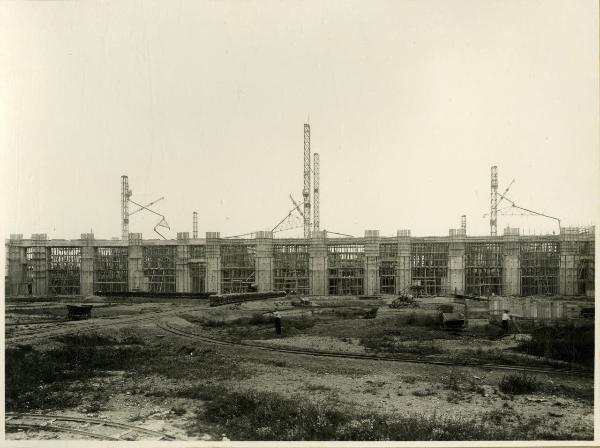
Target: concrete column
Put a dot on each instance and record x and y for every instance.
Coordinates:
(567, 270)
(264, 261)
(137, 281)
(511, 265)
(88, 253)
(17, 265)
(182, 267)
(403, 266)
(317, 263)
(213, 262)
(371, 279)
(456, 265)
(40, 264)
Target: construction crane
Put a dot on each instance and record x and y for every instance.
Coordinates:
(147, 205)
(162, 223)
(295, 224)
(126, 194)
(306, 190)
(495, 202)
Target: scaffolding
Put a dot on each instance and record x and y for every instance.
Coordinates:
(585, 251)
(483, 268)
(159, 267)
(429, 266)
(238, 269)
(290, 272)
(198, 268)
(539, 268)
(30, 261)
(346, 269)
(111, 269)
(64, 271)
(388, 253)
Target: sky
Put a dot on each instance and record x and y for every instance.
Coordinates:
(203, 103)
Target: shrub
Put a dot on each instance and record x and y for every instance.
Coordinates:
(567, 343)
(520, 383)
(299, 323)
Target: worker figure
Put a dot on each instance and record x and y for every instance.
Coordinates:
(505, 321)
(277, 322)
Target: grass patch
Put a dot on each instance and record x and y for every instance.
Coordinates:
(424, 392)
(318, 388)
(59, 378)
(252, 415)
(567, 343)
(519, 383)
(390, 344)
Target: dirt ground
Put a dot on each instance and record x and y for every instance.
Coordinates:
(160, 392)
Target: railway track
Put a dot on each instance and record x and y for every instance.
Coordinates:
(370, 357)
(66, 327)
(82, 426)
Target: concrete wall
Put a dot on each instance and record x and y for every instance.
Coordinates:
(182, 265)
(456, 265)
(213, 263)
(88, 253)
(511, 273)
(317, 263)
(137, 281)
(264, 261)
(371, 279)
(403, 263)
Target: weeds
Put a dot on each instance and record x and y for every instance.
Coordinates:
(520, 383)
(251, 415)
(389, 344)
(452, 381)
(318, 388)
(567, 343)
(424, 392)
(409, 379)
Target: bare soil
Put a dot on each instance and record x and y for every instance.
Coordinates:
(163, 387)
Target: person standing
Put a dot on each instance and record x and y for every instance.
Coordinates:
(505, 321)
(277, 322)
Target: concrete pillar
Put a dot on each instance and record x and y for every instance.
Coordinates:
(137, 281)
(567, 270)
(456, 265)
(40, 264)
(403, 265)
(371, 279)
(213, 262)
(182, 267)
(263, 261)
(88, 253)
(317, 263)
(17, 265)
(511, 264)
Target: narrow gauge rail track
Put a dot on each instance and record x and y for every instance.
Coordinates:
(102, 429)
(67, 327)
(34, 322)
(327, 354)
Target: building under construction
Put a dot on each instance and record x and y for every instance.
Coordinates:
(509, 265)
(320, 263)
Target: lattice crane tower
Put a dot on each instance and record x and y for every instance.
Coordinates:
(316, 191)
(125, 195)
(306, 190)
(494, 201)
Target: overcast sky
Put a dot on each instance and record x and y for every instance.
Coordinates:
(203, 102)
